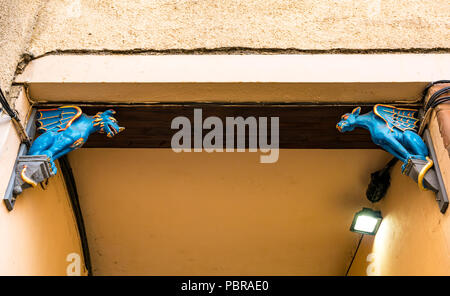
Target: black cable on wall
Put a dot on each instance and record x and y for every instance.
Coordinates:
(66, 171)
(354, 255)
(7, 107)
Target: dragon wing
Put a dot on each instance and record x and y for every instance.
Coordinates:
(58, 119)
(403, 119)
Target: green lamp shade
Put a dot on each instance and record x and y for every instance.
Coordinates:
(366, 221)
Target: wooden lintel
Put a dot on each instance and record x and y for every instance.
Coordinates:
(301, 126)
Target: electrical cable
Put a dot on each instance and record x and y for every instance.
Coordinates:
(424, 93)
(354, 255)
(433, 102)
(15, 119)
(73, 194)
(7, 107)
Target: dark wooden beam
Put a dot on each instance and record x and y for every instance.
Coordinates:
(301, 126)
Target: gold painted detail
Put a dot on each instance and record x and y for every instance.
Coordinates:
(77, 143)
(25, 178)
(423, 172)
(403, 112)
(69, 123)
(66, 118)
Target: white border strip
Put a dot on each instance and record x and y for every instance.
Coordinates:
(324, 68)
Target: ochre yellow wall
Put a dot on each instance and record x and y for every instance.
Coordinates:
(39, 233)
(414, 237)
(157, 212)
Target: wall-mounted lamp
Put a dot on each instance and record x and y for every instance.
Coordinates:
(366, 221)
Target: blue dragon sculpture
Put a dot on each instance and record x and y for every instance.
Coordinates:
(394, 129)
(67, 128)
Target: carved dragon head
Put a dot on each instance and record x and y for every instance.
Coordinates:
(105, 123)
(348, 121)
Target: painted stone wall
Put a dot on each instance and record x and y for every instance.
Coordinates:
(17, 20)
(37, 27)
(305, 24)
